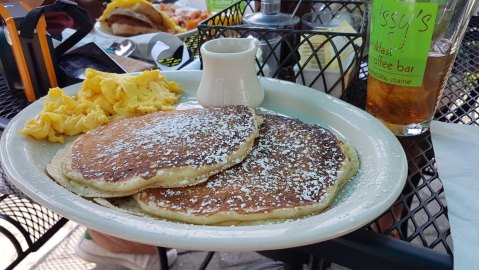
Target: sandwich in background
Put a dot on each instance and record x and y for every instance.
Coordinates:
(136, 17)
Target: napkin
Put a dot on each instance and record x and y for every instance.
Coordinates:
(151, 47)
(456, 148)
(159, 46)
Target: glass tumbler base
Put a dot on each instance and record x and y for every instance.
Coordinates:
(408, 130)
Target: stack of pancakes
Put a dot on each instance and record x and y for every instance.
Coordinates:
(220, 166)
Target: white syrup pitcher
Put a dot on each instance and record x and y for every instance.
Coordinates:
(229, 75)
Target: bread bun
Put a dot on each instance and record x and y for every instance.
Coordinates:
(150, 12)
(121, 29)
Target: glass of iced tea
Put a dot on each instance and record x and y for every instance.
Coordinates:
(412, 49)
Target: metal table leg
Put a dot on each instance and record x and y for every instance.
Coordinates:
(163, 258)
(162, 252)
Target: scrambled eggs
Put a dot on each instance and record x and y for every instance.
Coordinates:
(103, 97)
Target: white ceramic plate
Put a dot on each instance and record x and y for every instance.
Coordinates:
(380, 180)
(105, 32)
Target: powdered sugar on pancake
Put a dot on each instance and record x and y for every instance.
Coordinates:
(144, 145)
(291, 165)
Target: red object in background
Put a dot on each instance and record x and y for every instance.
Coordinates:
(57, 21)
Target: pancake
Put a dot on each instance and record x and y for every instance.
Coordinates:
(162, 149)
(295, 169)
(54, 170)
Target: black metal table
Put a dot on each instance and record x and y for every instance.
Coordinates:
(413, 234)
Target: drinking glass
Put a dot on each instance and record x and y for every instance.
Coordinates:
(413, 45)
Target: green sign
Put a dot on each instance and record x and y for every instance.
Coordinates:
(401, 34)
(218, 5)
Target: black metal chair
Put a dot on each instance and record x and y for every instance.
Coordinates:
(25, 223)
